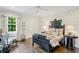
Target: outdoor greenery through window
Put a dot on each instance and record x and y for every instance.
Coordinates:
(11, 24)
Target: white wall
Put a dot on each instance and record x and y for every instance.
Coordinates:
(0, 22)
(32, 25)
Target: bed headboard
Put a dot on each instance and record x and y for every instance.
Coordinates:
(60, 29)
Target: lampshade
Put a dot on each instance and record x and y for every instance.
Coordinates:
(70, 30)
(45, 28)
(69, 27)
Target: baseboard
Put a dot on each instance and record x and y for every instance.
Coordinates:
(28, 37)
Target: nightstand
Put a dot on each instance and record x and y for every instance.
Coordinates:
(69, 41)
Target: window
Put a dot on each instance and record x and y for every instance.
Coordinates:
(11, 24)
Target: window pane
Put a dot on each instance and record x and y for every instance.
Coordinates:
(11, 24)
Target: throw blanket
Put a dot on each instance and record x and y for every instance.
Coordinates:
(54, 43)
(54, 40)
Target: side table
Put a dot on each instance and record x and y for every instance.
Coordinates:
(69, 41)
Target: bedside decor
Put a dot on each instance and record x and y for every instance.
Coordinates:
(56, 23)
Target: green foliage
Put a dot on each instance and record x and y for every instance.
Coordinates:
(56, 23)
(11, 24)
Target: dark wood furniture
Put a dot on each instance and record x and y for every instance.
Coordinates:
(69, 40)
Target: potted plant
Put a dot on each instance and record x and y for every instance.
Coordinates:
(56, 23)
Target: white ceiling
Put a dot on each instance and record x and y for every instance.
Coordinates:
(42, 10)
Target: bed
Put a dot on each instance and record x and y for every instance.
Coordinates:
(49, 40)
(44, 42)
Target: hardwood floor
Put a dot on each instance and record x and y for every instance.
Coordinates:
(26, 47)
